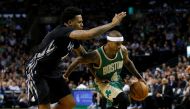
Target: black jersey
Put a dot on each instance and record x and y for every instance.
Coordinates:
(53, 47)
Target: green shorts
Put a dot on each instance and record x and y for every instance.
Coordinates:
(109, 90)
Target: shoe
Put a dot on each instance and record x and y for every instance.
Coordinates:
(139, 107)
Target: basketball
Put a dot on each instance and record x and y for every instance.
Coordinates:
(138, 91)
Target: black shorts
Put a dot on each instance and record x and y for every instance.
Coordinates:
(43, 89)
(51, 90)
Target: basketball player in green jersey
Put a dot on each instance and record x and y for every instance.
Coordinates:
(108, 62)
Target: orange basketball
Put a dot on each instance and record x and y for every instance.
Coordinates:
(138, 91)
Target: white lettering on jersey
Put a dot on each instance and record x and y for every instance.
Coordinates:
(112, 67)
(47, 50)
(70, 46)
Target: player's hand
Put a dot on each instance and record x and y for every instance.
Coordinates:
(65, 78)
(118, 18)
(187, 69)
(132, 80)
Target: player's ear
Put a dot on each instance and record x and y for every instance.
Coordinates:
(69, 22)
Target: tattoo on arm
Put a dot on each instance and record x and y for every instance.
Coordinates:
(129, 64)
(131, 67)
(88, 58)
(81, 52)
(92, 33)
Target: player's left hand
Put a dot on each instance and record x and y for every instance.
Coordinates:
(118, 18)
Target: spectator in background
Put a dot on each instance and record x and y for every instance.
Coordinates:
(185, 102)
(164, 95)
(172, 82)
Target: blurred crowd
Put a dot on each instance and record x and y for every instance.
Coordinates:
(13, 53)
(158, 34)
(168, 86)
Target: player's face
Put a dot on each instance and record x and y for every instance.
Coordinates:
(77, 22)
(115, 46)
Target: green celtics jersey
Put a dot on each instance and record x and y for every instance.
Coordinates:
(109, 69)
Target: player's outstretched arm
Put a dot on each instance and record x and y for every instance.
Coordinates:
(130, 65)
(88, 58)
(94, 32)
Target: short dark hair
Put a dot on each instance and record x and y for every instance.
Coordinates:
(114, 33)
(69, 13)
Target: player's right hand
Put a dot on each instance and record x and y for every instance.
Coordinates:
(118, 18)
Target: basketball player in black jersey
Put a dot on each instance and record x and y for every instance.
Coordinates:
(44, 79)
